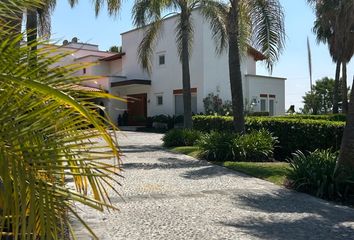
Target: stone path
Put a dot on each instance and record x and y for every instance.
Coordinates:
(173, 196)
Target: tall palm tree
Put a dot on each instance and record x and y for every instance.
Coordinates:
(332, 27)
(345, 163)
(243, 22)
(345, 42)
(46, 141)
(148, 13)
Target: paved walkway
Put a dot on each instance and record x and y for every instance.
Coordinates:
(171, 196)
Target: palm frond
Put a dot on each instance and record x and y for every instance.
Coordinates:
(146, 47)
(216, 14)
(184, 30)
(268, 31)
(245, 27)
(113, 6)
(50, 136)
(147, 15)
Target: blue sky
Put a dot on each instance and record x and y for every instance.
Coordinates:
(104, 30)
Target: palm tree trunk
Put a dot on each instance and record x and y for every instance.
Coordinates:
(186, 79)
(336, 89)
(31, 31)
(346, 154)
(235, 70)
(344, 88)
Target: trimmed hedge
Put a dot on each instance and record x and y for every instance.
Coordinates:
(292, 134)
(327, 117)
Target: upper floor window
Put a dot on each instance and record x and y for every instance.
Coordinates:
(162, 59)
(159, 100)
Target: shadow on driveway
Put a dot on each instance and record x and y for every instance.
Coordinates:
(311, 218)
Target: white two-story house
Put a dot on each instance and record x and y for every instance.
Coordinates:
(160, 92)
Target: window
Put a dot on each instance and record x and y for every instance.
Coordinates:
(263, 105)
(159, 100)
(179, 110)
(162, 60)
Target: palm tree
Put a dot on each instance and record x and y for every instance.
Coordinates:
(46, 141)
(324, 33)
(237, 24)
(345, 42)
(332, 27)
(345, 163)
(148, 14)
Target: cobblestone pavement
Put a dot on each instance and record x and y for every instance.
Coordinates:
(173, 196)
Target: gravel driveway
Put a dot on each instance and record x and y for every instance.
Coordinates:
(171, 196)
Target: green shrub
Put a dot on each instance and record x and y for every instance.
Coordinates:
(314, 174)
(170, 121)
(256, 146)
(292, 134)
(217, 146)
(222, 146)
(180, 137)
(328, 117)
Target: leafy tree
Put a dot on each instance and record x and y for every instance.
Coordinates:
(115, 49)
(47, 131)
(320, 101)
(241, 22)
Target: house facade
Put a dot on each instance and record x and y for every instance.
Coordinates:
(160, 92)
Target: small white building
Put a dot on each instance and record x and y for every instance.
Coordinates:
(161, 91)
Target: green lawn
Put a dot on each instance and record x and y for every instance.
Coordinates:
(274, 172)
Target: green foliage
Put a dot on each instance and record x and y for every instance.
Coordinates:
(115, 49)
(42, 142)
(292, 134)
(217, 146)
(314, 174)
(255, 146)
(320, 101)
(170, 121)
(327, 117)
(181, 137)
(274, 172)
(221, 146)
(214, 105)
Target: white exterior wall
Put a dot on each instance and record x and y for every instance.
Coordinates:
(130, 65)
(209, 71)
(216, 69)
(115, 68)
(271, 86)
(165, 78)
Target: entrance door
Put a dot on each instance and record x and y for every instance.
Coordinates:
(137, 109)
